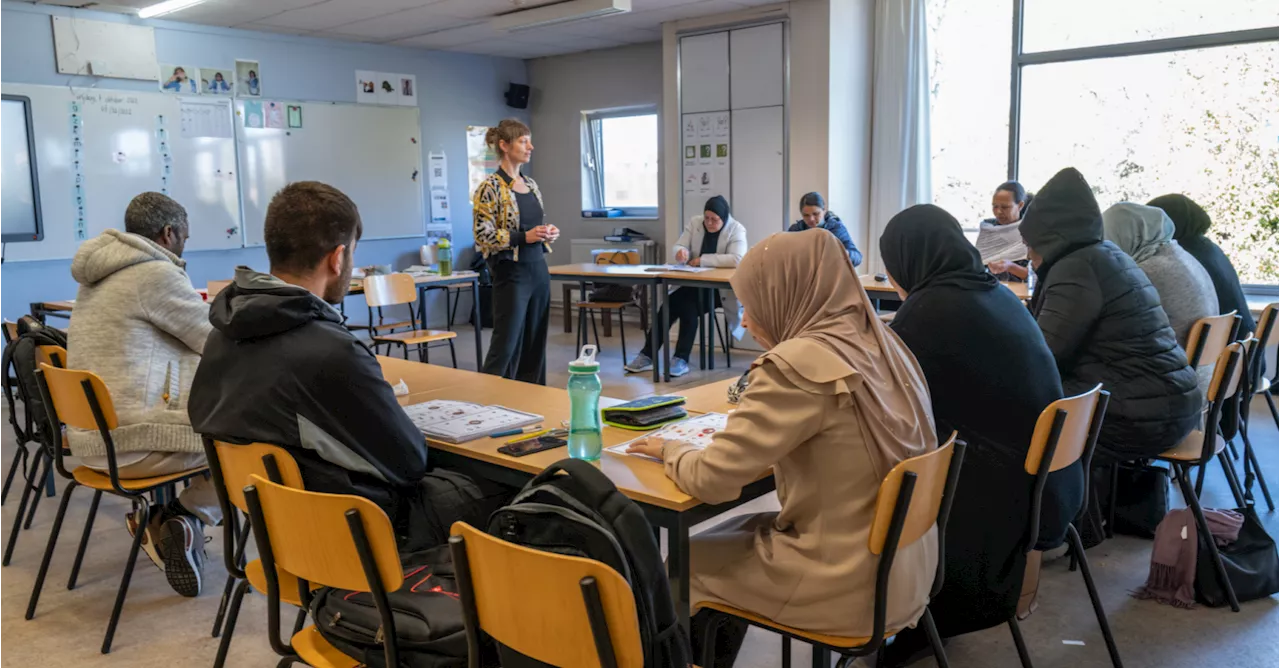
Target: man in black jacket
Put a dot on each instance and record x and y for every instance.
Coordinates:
(280, 368)
(1102, 319)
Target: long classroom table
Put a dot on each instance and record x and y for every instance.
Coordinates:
(642, 480)
(622, 274)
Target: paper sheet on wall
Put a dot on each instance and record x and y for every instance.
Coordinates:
(439, 205)
(705, 159)
(437, 170)
(481, 160)
(205, 118)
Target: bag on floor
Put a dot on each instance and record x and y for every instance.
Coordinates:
(20, 361)
(1250, 561)
(583, 514)
(1142, 498)
(427, 613)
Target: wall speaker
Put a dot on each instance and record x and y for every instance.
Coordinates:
(518, 96)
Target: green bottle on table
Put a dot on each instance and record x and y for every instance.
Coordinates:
(444, 257)
(585, 438)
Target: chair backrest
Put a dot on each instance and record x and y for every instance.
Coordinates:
(51, 355)
(317, 536)
(73, 394)
(10, 331)
(1066, 432)
(1227, 373)
(546, 617)
(212, 288)
(233, 464)
(389, 289)
(1267, 332)
(625, 256)
(1209, 336)
(930, 473)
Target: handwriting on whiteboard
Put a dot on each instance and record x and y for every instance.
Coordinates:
(109, 103)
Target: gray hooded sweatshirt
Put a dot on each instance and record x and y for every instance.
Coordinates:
(140, 325)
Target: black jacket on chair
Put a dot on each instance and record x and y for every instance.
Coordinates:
(1103, 321)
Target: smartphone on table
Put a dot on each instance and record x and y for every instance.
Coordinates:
(553, 438)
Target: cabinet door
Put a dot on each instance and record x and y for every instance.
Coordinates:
(758, 179)
(756, 67)
(704, 73)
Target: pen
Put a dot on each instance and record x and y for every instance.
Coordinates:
(512, 432)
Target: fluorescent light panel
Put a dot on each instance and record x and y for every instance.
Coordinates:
(166, 7)
(560, 12)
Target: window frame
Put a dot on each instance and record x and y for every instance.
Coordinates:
(35, 177)
(593, 185)
(1020, 59)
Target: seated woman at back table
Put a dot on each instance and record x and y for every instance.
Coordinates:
(990, 377)
(1102, 319)
(998, 236)
(814, 213)
(835, 403)
(713, 239)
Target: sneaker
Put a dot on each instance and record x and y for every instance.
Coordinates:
(640, 364)
(182, 546)
(151, 537)
(679, 367)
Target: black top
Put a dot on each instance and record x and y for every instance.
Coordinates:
(989, 378)
(531, 215)
(1103, 321)
(1190, 225)
(709, 241)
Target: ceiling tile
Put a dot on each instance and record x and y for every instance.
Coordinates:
(476, 9)
(335, 13)
(224, 12)
(475, 33)
(407, 23)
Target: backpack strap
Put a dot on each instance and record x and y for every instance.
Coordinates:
(5, 365)
(595, 484)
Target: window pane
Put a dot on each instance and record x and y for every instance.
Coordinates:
(969, 42)
(1058, 24)
(630, 161)
(1199, 122)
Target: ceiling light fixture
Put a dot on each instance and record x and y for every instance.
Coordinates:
(166, 7)
(560, 12)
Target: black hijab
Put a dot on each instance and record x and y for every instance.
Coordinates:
(924, 247)
(1189, 219)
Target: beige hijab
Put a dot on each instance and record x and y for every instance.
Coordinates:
(804, 302)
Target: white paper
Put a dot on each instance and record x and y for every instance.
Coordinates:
(366, 87)
(201, 118)
(406, 90)
(438, 170)
(274, 112)
(697, 431)
(439, 205)
(659, 268)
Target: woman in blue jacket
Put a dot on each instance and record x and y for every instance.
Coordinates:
(813, 213)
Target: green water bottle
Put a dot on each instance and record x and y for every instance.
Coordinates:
(585, 440)
(444, 257)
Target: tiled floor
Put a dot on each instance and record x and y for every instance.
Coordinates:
(160, 629)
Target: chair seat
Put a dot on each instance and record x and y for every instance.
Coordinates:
(389, 325)
(822, 639)
(102, 481)
(1191, 447)
(257, 577)
(604, 305)
(415, 337)
(317, 652)
(1264, 385)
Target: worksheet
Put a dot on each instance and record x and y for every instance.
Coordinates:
(461, 421)
(696, 430)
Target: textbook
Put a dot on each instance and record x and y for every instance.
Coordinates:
(660, 268)
(463, 421)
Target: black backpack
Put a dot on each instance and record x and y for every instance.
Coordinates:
(20, 359)
(426, 609)
(583, 514)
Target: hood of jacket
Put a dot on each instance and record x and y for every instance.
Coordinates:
(112, 251)
(257, 305)
(1063, 217)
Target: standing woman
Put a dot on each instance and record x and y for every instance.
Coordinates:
(510, 234)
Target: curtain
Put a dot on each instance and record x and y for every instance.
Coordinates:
(900, 162)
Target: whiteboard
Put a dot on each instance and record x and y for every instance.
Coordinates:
(124, 137)
(704, 73)
(758, 180)
(371, 153)
(755, 67)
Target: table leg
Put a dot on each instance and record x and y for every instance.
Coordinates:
(702, 330)
(475, 321)
(653, 326)
(711, 329)
(678, 569)
(821, 658)
(37, 311)
(664, 329)
(566, 292)
(422, 306)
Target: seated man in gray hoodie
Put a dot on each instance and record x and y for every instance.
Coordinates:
(140, 326)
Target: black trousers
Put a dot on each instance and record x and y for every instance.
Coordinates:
(686, 307)
(521, 312)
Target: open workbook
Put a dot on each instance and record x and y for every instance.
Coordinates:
(462, 421)
(689, 269)
(696, 430)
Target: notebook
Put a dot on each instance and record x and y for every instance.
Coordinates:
(462, 421)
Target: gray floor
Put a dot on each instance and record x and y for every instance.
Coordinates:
(161, 629)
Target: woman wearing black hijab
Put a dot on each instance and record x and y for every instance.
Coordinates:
(1190, 223)
(990, 375)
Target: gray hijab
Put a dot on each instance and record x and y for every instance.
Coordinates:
(1141, 231)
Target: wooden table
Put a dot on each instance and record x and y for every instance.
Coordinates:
(642, 480)
(878, 290)
(710, 398)
(622, 274)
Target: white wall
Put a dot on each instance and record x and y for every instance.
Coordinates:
(563, 88)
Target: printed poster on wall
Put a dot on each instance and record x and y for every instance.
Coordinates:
(481, 160)
(705, 159)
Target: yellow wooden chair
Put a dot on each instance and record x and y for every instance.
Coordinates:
(395, 290)
(588, 306)
(235, 463)
(212, 288)
(41, 469)
(1066, 432)
(1254, 369)
(1268, 336)
(901, 519)
(334, 540)
(80, 399)
(547, 617)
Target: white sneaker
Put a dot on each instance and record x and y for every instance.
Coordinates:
(679, 367)
(639, 364)
(151, 537)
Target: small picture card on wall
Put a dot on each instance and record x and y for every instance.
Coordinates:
(217, 80)
(386, 88)
(295, 116)
(253, 116)
(274, 114)
(248, 83)
(408, 92)
(178, 79)
(366, 87)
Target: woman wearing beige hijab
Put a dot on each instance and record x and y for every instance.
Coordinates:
(833, 405)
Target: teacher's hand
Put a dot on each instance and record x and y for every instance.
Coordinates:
(648, 446)
(553, 232)
(536, 235)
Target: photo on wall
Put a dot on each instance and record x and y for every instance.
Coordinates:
(217, 80)
(175, 79)
(249, 84)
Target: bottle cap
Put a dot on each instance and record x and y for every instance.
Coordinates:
(443, 243)
(586, 362)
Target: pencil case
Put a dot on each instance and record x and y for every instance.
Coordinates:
(645, 414)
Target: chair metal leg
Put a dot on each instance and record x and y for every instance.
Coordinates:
(622, 334)
(1251, 461)
(238, 557)
(786, 652)
(594, 329)
(709, 640)
(1018, 643)
(48, 549)
(1229, 470)
(1231, 447)
(1111, 500)
(38, 492)
(233, 613)
(1193, 502)
(453, 354)
(1093, 596)
(1271, 403)
(27, 491)
(144, 512)
(84, 539)
(1200, 480)
(939, 654)
(18, 460)
(299, 621)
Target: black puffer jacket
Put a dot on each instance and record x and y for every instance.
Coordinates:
(1102, 319)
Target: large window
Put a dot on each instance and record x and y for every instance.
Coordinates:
(1153, 97)
(620, 162)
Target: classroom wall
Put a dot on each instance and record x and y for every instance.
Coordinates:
(563, 88)
(455, 90)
